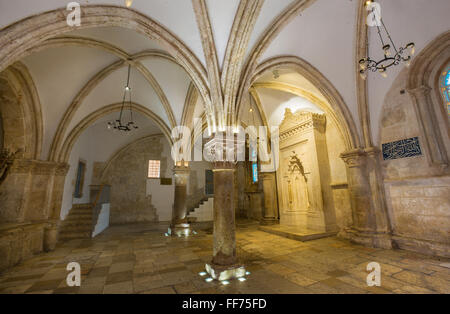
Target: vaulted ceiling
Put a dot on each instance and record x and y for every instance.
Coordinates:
(85, 68)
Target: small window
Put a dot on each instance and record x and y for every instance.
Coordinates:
(154, 169)
(80, 179)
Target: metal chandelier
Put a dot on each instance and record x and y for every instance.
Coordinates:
(119, 124)
(392, 55)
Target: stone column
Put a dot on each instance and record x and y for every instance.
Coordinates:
(224, 262)
(180, 225)
(54, 212)
(368, 228)
(426, 116)
(270, 198)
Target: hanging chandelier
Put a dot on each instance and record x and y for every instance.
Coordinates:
(119, 124)
(392, 55)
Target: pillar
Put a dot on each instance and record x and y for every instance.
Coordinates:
(54, 212)
(270, 198)
(224, 264)
(429, 126)
(370, 221)
(179, 225)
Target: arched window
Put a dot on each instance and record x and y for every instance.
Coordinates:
(444, 85)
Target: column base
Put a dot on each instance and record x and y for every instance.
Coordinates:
(269, 222)
(180, 230)
(368, 238)
(219, 272)
(51, 236)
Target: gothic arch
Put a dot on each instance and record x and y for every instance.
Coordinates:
(63, 153)
(267, 38)
(423, 77)
(21, 112)
(134, 60)
(18, 38)
(337, 107)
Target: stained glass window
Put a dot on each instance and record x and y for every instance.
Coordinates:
(445, 88)
(154, 167)
(255, 172)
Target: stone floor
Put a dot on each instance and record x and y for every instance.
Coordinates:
(140, 259)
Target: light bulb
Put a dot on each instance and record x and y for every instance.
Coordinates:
(383, 73)
(412, 48)
(386, 48)
(363, 74)
(128, 3)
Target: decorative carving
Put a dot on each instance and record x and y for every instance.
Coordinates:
(6, 160)
(299, 122)
(224, 152)
(354, 158)
(295, 185)
(181, 174)
(402, 149)
(296, 165)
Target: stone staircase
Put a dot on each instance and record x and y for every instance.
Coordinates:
(78, 224)
(203, 211)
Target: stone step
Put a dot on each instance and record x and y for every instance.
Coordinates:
(192, 209)
(74, 235)
(81, 206)
(78, 224)
(77, 227)
(81, 210)
(79, 216)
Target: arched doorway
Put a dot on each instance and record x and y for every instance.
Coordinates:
(307, 189)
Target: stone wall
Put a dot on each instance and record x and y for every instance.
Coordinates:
(30, 201)
(417, 192)
(127, 174)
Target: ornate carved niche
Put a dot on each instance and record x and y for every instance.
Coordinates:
(301, 176)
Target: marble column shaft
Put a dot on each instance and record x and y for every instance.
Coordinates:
(224, 250)
(270, 197)
(179, 211)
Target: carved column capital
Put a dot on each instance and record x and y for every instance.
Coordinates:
(354, 158)
(372, 151)
(39, 167)
(181, 173)
(225, 151)
(420, 91)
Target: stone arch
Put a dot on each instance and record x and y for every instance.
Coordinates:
(134, 60)
(121, 151)
(21, 113)
(337, 108)
(295, 8)
(423, 78)
(63, 153)
(18, 38)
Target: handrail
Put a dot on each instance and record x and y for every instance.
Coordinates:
(98, 196)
